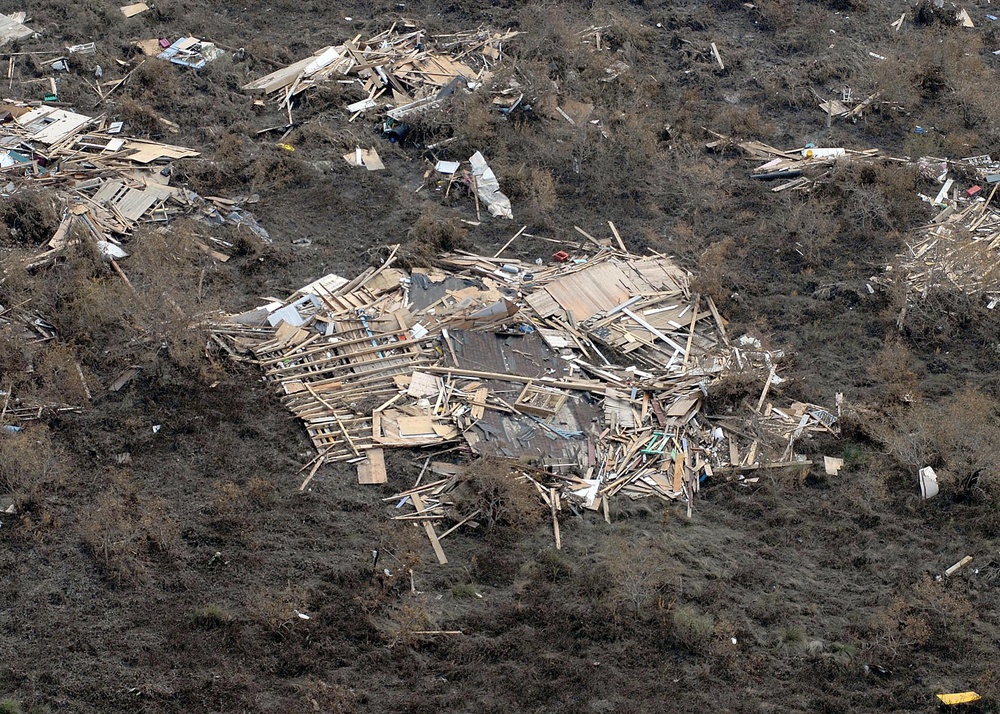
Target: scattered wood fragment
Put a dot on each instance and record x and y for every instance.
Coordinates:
(958, 566)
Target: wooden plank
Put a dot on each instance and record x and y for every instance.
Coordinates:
(478, 403)
(553, 499)
(678, 472)
(134, 9)
(372, 469)
(418, 503)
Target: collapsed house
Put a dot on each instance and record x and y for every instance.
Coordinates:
(108, 182)
(593, 371)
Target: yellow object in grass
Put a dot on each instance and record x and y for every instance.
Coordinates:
(959, 698)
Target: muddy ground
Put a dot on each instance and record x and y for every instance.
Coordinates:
(164, 571)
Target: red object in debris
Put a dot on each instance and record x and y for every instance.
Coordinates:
(561, 257)
(973, 191)
(165, 43)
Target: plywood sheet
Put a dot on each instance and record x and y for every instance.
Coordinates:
(11, 29)
(424, 385)
(50, 125)
(143, 152)
(136, 202)
(415, 427)
(372, 469)
(134, 9)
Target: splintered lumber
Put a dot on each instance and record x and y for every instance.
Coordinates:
(553, 500)
(959, 251)
(958, 566)
(410, 69)
(418, 503)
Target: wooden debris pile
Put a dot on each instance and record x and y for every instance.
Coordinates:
(847, 106)
(109, 183)
(958, 251)
(594, 369)
(800, 168)
(404, 68)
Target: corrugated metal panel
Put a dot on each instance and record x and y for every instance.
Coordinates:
(136, 202)
(591, 291)
(514, 435)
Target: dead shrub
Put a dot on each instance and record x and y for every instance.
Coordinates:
(125, 531)
(733, 391)
(955, 436)
(15, 356)
(893, 369)
(231, 505)
(31, 463)
(927, 614)
(27, 218)
(277, 171)
(141, 119)
(692, 629)
(507, 506)
(637, 572)
(403, 625)
(430, 236)
(59, 375)
(534, 189)
(552, 566)
(276, 608)
(211, 617)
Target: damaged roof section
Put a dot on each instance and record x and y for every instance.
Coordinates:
(598, 365)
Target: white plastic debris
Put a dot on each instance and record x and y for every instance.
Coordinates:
(488, 188)
(447, 167)
(110, 251)
(928, 483)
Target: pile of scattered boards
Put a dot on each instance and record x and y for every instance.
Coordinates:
(799, 168)
(594, 370)
(958, 251)
(108, 182)
(395, 67)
